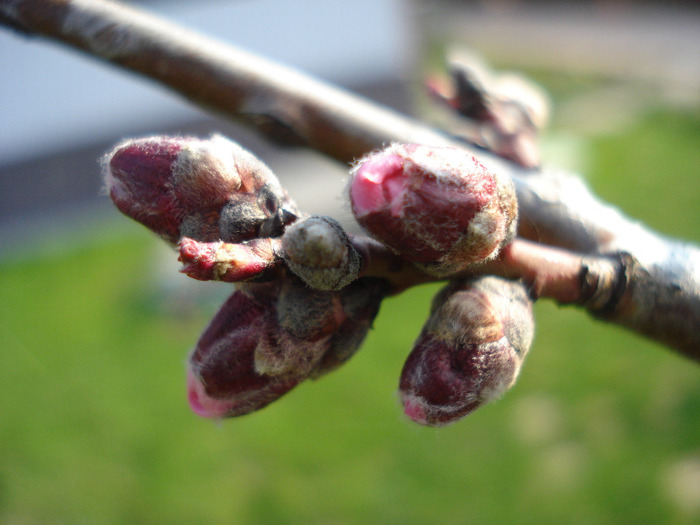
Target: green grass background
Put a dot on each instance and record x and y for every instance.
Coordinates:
(603, 427)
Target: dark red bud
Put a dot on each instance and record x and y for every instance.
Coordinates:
(139, 175)
(269, 337)
(222, 376)
(437, 207)
(469, 352)
(206, 189)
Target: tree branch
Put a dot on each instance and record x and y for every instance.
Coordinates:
(659, 291)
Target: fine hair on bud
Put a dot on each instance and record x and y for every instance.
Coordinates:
(222, 379)
(298, 336)
(360, 302)
(437, 207)
(269, 337)
(469, 352)
(318, 250)
(205, 189)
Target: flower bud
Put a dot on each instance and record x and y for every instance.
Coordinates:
(269, 337)
(437, 207)
(469, 352)
(318, 250)
(222, 376)
(206, 189)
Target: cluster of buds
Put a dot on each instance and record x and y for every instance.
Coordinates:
(269, 337)
(307, 293)
(213, 199)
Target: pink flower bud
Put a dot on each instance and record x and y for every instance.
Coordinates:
(206, 189)
(469, 352)
(437, 207)
(222, 376)
(267, 338)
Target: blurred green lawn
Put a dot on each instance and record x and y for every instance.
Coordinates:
(602, 428)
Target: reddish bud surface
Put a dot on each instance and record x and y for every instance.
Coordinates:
(206, 189)
(437, 207)
(269, 337)
(469, 352)
(139, 177)
(220, 261)
(222, 378)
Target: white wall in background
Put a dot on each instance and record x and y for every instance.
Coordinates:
(53, 98)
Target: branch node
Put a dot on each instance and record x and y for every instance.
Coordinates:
(604, 281)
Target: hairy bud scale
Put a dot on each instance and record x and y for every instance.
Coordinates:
(469, 352)
(437, 207)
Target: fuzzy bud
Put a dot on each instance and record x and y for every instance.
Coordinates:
(469, 352)
(360, 302)
(205, 189)
(318, 250)
(437, 207)
(222, 380)
(269, 337)
(304, 323)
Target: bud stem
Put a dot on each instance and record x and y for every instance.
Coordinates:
(550, 272)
